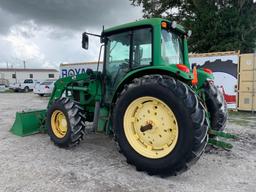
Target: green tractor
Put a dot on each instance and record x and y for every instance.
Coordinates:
(160, 110)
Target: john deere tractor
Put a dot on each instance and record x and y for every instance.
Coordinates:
(159, 109)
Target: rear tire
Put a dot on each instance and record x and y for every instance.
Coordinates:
(216, 105)
(41, 95)
(66, 122)
(187, 110)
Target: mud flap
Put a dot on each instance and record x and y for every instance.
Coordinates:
(28, 123)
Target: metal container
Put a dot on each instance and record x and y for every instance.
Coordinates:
(247, 82)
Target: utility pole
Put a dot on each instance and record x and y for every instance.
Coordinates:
(24, 62)
(7, 65)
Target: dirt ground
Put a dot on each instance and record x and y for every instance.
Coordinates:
(33, 163)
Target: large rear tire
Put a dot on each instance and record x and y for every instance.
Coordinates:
(216, 105)
(66, 122)
(160, 125)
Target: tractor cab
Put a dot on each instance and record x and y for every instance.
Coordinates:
(143, 46)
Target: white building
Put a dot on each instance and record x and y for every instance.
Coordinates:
(12, 75)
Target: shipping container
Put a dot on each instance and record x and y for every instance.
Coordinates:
(247, 82)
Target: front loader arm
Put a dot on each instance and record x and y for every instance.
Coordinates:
(88, 86)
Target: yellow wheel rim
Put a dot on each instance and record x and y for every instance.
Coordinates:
(150, 127)
(59, 124)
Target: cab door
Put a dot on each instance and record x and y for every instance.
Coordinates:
(126, 51)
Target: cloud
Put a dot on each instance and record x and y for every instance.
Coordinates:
(46, 33)
(75, 15)
(7, 19)
(20, 40)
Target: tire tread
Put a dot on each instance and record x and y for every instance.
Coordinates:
(198, 114)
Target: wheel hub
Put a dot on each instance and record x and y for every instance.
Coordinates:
(150, 127)
(146, 127)
(59, 124)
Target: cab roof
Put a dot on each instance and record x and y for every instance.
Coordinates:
(152, 22)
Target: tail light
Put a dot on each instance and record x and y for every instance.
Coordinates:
(46, 87)
(183, 68)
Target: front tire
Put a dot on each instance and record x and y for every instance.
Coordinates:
(66, 122)
(160, 125)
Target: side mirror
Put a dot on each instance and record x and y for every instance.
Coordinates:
(85, 41)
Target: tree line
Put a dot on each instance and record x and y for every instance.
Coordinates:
(217, 25)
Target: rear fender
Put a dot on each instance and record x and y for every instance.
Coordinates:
(170, 70)
(203, 77)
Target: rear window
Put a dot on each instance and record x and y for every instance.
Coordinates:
(28, 81)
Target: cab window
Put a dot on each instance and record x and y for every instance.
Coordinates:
(171, 47)
(142, 47)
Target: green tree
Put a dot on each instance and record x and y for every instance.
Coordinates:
(217, 25)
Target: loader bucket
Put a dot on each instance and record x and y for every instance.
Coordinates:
(28, 123)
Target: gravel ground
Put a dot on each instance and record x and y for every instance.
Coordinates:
(33, 163)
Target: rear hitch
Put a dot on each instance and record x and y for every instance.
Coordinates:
(215, 141)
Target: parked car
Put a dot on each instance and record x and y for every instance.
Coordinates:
(26, 86)
(44, 88)
(3, 87)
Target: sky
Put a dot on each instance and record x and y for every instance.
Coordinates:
(45, 33)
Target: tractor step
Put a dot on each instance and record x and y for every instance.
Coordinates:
(29, 122)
